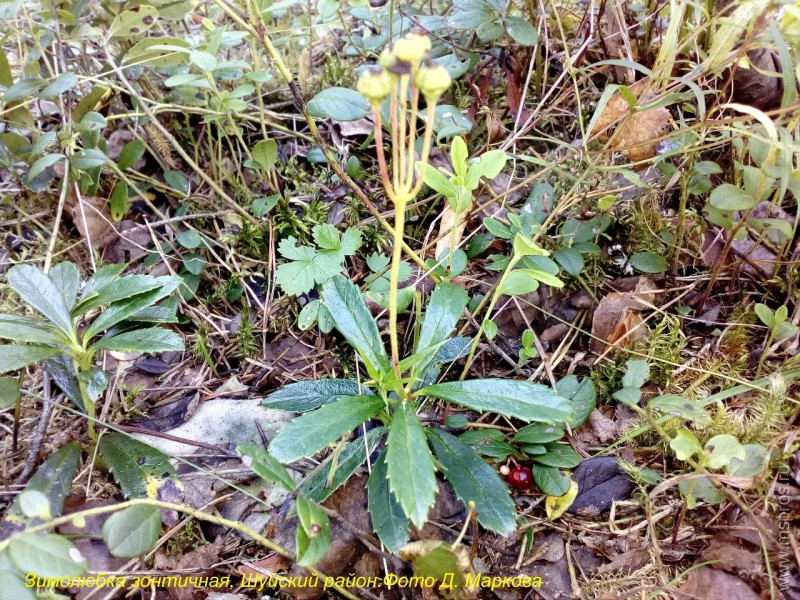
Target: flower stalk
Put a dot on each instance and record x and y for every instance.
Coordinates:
(404, 73)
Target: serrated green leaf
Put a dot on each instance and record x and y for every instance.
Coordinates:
(28, 329)
(39, 291)
(410, 468)
(445, 307)
(138, 468)
(120, 289)
(151, 339)
(266, 466)
(133, 531)
(311, 432)
(389, 520)
(48, 555)
(17, 357)
(354, 321)
(474, 481)
(121, 310)
(321, 484)
(313, 533)
(304, 396)
(520, 399)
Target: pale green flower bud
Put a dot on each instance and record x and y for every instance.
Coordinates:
(374, 84)
(412, 48)
(432, 80)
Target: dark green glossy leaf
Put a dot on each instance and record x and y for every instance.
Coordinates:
(410, 467)
(17, 357)
(581, 395)
(266, 466)
(67, 279)
(136, 466)
(354, 321)
(316, 486)
(308, 395)
(28, 329)
(388, 519)
(39, 291)
(488, 442)
(123, 308)
(538, 433)
(474, 481)
(445, 307)
(311, 432)
(520, 399)
(153, 339)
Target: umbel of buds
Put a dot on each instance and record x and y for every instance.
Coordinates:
(403, 74)
(377, 82)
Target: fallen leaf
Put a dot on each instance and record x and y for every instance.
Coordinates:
(556, 506)
(713, 584)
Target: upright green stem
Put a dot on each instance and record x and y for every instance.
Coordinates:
(397, 251)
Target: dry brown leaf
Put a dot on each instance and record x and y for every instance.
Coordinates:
(93, 220)
(713, 584)
(617, 318)
(636, 136)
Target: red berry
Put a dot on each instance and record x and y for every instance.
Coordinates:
(520, 478)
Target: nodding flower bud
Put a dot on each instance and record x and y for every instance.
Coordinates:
(374, 84)
(432, 80)
(412, 48)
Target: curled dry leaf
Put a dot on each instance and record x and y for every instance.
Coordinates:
(637, 135)
(757, 81)
(617, 318)
(93, 220)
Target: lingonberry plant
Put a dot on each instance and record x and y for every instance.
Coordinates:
(395, 389)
